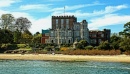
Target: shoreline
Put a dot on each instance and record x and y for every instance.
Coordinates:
(60, 57)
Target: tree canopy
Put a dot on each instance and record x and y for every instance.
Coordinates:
(126, 31)
(22, 24)
(7, 21)
(14, 29)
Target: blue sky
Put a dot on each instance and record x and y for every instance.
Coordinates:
(100, 14)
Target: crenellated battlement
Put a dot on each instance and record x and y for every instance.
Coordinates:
(66, 16)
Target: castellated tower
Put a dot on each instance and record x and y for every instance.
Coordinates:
(66, 29)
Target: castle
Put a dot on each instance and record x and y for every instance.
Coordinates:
(66, 29)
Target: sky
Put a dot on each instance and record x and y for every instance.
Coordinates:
(100, 14)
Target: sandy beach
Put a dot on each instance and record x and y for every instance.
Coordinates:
(60, 57)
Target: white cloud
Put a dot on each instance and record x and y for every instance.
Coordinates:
(3, 12)
(21, 14)
(74, 7)
(79, 13)
(6, 3)
(48, 7)
(107, 20)
(35, 6)
(110, 9)
(38, 25)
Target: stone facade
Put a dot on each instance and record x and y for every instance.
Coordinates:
(66, 29)
(96, 36)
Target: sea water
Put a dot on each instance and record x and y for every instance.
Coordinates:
(56, 67)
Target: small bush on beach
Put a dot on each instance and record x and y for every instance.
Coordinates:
(63, 48)
(48, 48)
(127, 52)
(23, 46)
(79, 46)
(89, 47)
(104, 45)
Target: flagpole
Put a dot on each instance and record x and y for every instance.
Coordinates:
(64, 10)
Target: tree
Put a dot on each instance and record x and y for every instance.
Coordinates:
(22, 24)
(27, 36)
(6, 36)
(126, 31)
(104, 45)
(17, 36)
(79, 46)
(125, 44)
(83, 42)
(37, 37)
(7, 21)
(115, 41)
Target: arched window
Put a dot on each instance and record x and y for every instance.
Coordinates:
(51, 41)
(69, 41)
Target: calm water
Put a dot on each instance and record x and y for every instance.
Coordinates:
(53, 67)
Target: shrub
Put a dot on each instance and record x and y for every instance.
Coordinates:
(48, 48)
(42, 46)
(8, 46)
(125, 44)
(83, 42)
(66, 45)
(71, 48)
(21, 45)
(57, 48)
(127, 52)
(12, 46)
(95, 47)
(104, 45)
(79, 46)
(4, 46)
(89, 47)
(63, 48)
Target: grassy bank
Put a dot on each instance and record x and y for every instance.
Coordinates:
(26, 49)
(70, 52)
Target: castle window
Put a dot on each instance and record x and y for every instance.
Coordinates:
(69, 41)
(99, 40)
(52, 33)
(67, 21)
(77, 27)
(67, 26)
(51, 41)
(77, 33)
(46, 34)
(69, 33)
(102, 35)
(93, 41)
(62, 21)
(56, 23)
